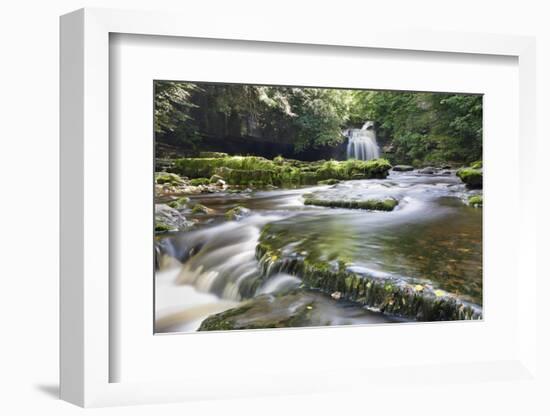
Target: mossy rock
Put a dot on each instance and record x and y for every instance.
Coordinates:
(259, 171)
(473, 178)
(370, 204)
(179, 203)
(168, 219)
(236, 213)
(477, 164)
(201, 209)
(403, 168)
(165, 178)
(259, 178)
(475, 201)
(296, 308)
(161, 227)
(199, 181)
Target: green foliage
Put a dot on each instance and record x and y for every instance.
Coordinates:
(173, 106)
(428, 128)
(424, 128)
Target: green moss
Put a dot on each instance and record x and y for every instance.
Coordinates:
(370, 204)
(236, 213)
(473, 178)
(199, 181)
(200, 209)
(179, 203)
(476, 165)
(253, 170)
(168, 178)
(475, 201)
(161, 227)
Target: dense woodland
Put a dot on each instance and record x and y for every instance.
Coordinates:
(306, 123)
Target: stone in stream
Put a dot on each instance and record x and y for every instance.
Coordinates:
(403, 168)
(429, 170)
(387, 204)
(475, 201)
(297, 308)
(201, 209)
(168, 219)
(236, 213)
(179, 203)
(473, 178)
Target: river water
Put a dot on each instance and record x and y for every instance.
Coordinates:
(432, 237)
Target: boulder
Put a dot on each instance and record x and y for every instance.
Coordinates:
(179, 203)
(429, 170)
(162, 178)
(475, 201)
(473, 178)
(201, 209)
(236, 213)
(168, 219)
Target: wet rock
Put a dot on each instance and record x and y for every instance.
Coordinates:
(473, 178)
(403, 168)
(336, 295)
(370, 204)
(216, 178)
(266, 311)
(163, 178)
(179, 203)
(199, 209)
(475, 201)
(429, 170)
(168, 219)
(237, 213)
(298, 308)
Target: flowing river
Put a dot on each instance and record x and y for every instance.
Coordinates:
(432, 239)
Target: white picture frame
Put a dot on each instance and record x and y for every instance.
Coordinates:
(86, 356)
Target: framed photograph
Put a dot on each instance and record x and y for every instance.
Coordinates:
(238, 211)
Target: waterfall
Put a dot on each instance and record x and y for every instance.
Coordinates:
(362, 142)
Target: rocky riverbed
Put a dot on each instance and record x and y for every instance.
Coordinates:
(372, 245)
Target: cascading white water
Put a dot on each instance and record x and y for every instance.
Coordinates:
(362, 142)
